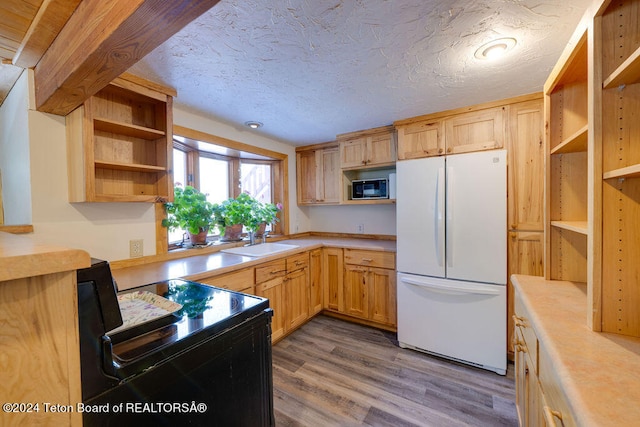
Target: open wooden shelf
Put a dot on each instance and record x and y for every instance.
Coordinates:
(627, 73)
(106, 125)
(119, 144)
(628, 172)
(574, 143)
(579, 227)
(129, 167)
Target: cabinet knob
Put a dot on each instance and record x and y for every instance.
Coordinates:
(519, 321)
(367, 259)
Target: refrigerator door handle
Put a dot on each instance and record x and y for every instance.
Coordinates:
(454, 289)
(439, 216)
(449, 213)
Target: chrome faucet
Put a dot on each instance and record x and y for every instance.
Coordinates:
(264, 236)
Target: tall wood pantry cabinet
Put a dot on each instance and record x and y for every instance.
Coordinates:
(120, 144)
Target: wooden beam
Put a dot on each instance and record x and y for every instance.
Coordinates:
(50, 19)
(101, 40)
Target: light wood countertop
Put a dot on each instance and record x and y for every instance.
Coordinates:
(21, 257)
(197, 267)
(599, 372)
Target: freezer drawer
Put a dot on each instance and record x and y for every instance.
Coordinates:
(464, 321)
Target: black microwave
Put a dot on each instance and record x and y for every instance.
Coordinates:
(377, 188)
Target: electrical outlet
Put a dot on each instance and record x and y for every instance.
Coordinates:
(360, 228)
(136, 248)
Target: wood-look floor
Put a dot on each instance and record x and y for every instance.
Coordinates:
(335, 373)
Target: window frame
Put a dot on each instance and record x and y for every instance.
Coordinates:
(190, 143)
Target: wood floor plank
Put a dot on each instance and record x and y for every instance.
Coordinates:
(335, 373)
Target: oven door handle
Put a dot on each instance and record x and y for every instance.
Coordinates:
(107, 356)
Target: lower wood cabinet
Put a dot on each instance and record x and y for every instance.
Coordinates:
(357, 284)
(315, 282)
(370, 286)
(528, 391)
(540, 399)
(333, 279)
(296, 291)
(285, 282)
(270, 284)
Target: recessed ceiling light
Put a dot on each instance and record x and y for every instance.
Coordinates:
(495, 48)
(253, 125)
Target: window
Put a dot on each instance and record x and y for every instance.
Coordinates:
(214, 179)
(255, 179)
(222, 168)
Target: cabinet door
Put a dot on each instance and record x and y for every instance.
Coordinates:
(315, 282)
(521, 372)
(381, 285)
(333, 276)
(528, 393)
(381, 149)
(525, 178)
(525, 255)
(353, 153)
(422, 139)
(356, 292)
(306, 176)
(475, 131)
(273, 291)
(328, 181)
(296, 295)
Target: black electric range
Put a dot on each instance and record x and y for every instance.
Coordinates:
(206, 363)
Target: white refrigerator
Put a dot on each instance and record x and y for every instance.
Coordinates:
(452, 257)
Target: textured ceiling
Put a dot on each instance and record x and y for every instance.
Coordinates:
(312, 69)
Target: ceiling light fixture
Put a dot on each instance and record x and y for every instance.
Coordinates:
(495, 48)
(253, 125)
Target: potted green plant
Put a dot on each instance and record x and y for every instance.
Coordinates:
(189, 211)
(234, 213)
(266, 213)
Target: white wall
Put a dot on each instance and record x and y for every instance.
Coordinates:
(14, 155)
(104, 229)
(376, 219)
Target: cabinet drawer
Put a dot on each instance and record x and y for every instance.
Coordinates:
(297, 262)
(370, 258)
(523, 324)
(237, 281)
(556, 406)
(271, 270)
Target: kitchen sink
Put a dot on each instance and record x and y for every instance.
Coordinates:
(260, 250)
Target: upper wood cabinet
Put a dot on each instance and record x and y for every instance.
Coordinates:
(371, 148)
(475, 131)
(421, 139)
(525, 175)
(119, 145)
(318, 174)
(475, 128)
